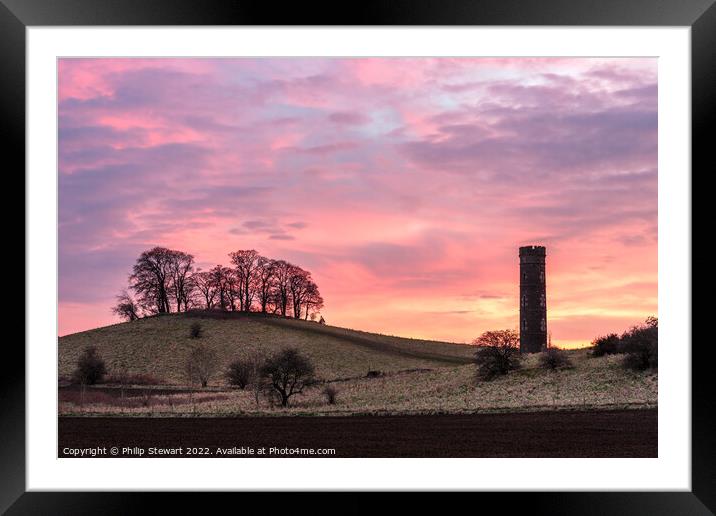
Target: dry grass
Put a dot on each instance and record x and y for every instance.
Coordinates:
(591, 383)
(160, 346)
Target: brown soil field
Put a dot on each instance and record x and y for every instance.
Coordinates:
(594, 433)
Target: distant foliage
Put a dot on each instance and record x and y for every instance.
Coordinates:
(240, 373)
(201, 365)
(196, 330)
(497, 354)
(606, 345)
(554, 359)
(331, 394)
(90, 367)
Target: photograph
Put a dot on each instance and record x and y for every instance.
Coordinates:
(335, 257)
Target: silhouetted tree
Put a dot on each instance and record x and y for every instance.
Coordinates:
(299, 285)
(207, 288)
(181, 267)
(223, 278)
(312, 301)
(497, 354)
(283, 281)
(150, 279)
(265, 280)
(126, 307)
(288, 373)
(246, 263)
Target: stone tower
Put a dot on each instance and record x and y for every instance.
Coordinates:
(533, 299)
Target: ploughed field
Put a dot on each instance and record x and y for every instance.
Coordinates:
(410, 376)
(584, 433)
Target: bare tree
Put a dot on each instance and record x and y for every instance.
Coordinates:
(150, 279)
(283, 280)
(299, 285)
(288, 373)
(126, 307)
(246, 263)
(201, 365)
(498, 353)
(205, 285)
(312, 301)
(223, 277)
(181, 267)
(266, 280)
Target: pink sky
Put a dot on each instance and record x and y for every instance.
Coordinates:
(404, 185)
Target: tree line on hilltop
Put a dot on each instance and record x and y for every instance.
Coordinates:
(165, 281)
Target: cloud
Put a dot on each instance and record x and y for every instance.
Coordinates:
(404, 184)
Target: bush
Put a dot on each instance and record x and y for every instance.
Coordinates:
(497, 353)
(373, 374)
(288, 373)
(240, 373)
(641, 345)
(331, 394)
(606, 345)
(195, 330)
(90, 367)
(554, 359)
(642, 356)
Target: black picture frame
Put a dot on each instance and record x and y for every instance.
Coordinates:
(17, 15)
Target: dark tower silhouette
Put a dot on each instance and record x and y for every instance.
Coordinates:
(533, 299)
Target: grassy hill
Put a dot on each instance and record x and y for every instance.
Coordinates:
(159, 346)
(418, 376)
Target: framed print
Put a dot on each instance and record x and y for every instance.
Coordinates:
(416, 248)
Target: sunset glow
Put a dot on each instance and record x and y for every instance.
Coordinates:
(405, 186)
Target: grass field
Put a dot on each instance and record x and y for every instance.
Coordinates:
(419, 377)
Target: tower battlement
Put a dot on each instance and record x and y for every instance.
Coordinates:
(533, 250)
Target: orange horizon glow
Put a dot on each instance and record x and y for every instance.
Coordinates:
(406, 186)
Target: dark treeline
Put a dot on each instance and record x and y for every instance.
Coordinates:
(164, 281)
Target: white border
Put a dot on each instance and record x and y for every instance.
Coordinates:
(670, 471)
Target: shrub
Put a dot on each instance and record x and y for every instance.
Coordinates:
(240, 373)
(288, 373)
(641, 345)
(90, 367)
(195, 330)
(554, 359)
(200, 365)
(331, 394)
(606, 345)
(642, 356)
(373, 374)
